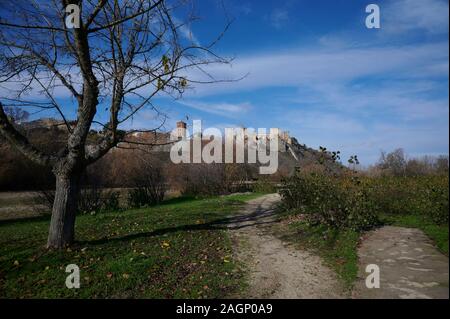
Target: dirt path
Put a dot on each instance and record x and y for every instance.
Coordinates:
(277, 270)
(410, 266)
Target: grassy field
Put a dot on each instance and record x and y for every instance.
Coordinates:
(175, 250)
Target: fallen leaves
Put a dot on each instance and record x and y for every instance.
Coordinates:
(165, 244)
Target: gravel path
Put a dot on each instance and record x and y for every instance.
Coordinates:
(277, 270)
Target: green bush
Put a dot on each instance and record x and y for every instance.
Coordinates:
(351, 201)
(337, 202)
(264, 186)
(419, 195)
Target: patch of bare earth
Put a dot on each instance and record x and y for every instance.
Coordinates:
(277, 269)
(16, 205)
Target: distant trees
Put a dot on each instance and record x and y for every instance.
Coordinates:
(442, 164)
(396, 163)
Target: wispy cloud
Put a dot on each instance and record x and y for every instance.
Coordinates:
(415, 15)
(315, 65)
(222, 109)
(279, 17)
(187, 33)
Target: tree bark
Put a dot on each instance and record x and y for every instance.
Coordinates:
(62, 225)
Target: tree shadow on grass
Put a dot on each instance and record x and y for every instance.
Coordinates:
(258, 217)
(47, 216)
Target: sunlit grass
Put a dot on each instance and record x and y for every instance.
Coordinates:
(176, 250)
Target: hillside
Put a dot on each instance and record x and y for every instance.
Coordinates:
(18, 173)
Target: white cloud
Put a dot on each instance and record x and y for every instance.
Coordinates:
(187, 33)
(222, 109)
(279, 17)
(307, 67)
(402, 16)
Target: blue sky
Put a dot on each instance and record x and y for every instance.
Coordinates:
(315, 70)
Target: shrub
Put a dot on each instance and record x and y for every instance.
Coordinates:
(144, 196)
(420, 195)
(436, 199)
(337, 202)
(264, 186)
(149, 185)
(91, 199)
(205, 180)
(110, 201)
(351, 201)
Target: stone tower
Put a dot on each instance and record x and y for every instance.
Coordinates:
(181, 130)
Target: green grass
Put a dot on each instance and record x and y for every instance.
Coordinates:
(437, 233)
(338, 248)
(176, 250)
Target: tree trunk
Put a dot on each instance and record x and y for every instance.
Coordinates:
(62, 225)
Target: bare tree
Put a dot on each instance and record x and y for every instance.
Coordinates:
(393, 162)
(122, 55)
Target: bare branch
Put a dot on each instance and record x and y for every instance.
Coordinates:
(35, 27)
(96, 11)
(21, 143)
(120, 21)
